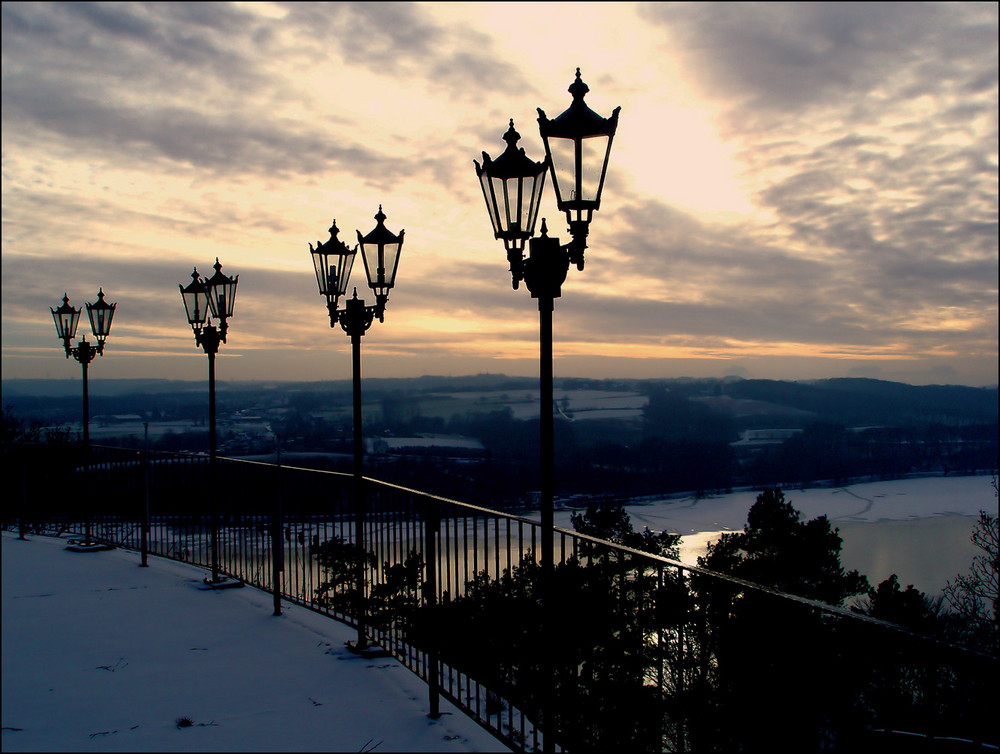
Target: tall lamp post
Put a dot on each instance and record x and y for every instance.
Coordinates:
(206, 300)
(333, 261)
(577, 147)
(67, 319)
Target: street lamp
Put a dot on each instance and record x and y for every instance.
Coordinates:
(577, 147)
(67, 319)
(206, 300)
(332, 262)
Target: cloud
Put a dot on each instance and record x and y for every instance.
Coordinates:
(402, 40)
(139, 139)
(180, 88)
(789, 57)
(870, 133)
(221, 143)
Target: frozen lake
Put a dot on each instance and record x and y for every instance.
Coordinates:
(916, 528)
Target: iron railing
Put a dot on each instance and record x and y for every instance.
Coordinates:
(629, 651)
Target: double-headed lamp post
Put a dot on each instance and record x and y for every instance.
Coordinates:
(67, 319)
(333, 261)
(577, 147)
(206, 300)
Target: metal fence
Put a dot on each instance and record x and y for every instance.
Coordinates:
(614, 649)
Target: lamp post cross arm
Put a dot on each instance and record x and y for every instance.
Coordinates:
(84, 352)
(545, 269)
(210, 338)
(356, 318)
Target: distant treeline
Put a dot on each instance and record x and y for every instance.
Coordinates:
(686, 439)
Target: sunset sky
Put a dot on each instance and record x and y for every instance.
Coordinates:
(795, 191)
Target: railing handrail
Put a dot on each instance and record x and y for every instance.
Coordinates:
(486, 555)
(824, 607)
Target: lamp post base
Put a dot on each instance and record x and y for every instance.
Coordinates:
(369, 651)
(222, 582)
(76, 545)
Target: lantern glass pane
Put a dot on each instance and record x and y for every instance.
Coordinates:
(503, 205)
(388, 256)
(488, 195)
(563, 153)
(66, 320)
(339, 278)
(216, 300)
(320, 265)
(515, 203)
(593, 153)
(530, 199)
(100, 320)
(195, 304)
(222, 298)
(230, 306)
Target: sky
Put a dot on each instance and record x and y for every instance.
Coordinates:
(795, 191)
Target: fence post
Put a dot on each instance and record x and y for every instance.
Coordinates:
(144, 526)
(277, 545)
(432, 524)
(21, 523)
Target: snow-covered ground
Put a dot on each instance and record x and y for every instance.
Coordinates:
(916, 528)
(102, 655)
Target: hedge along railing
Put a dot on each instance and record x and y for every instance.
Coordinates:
(631, 651)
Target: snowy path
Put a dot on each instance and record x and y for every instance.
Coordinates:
(102, 655)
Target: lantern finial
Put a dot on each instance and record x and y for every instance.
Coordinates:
(512, 136)
(578, 89)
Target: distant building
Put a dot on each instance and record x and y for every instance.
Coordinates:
(427, 444)
(758, 437)
(108, 419)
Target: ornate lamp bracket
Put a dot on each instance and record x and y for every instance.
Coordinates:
(355, 318)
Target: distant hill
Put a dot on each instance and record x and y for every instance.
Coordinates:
(107, 387)
(853, 402)
(844, 401)
(663, 436)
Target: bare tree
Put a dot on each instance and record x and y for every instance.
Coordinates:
(976, 595)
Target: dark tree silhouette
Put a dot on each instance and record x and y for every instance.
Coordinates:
(340, 560)
(14, 429)
(908, 607)
(610, 522)
(778, 550)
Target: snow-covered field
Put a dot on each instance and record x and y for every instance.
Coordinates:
(102, 655)
(916, 528)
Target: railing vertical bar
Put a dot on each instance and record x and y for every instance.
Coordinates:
(433, 674)
(465, 548)
(475, 543)
(666, 653)
(459, 587)
(496, 546)
(452, 590)
(277, 556)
